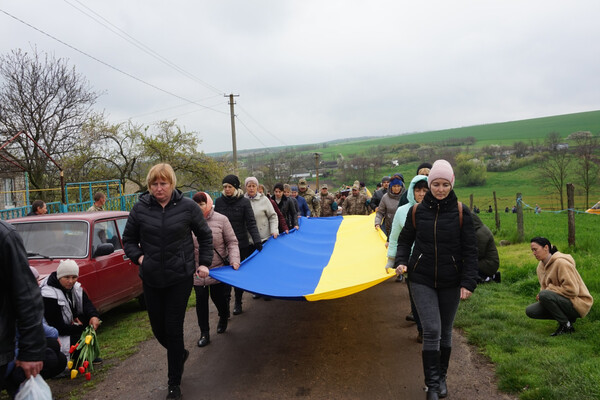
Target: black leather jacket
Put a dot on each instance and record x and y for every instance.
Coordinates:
(444, 253)
(21, 303)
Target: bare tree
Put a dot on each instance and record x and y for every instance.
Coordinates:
(49, 100)
(555, 167)
(587, 146)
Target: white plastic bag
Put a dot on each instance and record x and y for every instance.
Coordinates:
(34, 389)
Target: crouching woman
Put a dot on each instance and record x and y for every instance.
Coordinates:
(563, 296)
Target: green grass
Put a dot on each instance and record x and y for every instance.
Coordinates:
(528, 361)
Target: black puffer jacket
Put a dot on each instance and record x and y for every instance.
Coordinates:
(164, 238)
(444, 254)
(21, 303)
(238, 210)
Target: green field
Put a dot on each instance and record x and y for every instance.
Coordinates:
(503, 133)
(528, 361)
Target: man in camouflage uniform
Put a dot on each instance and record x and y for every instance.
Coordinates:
(356, 203)
(309, 196)
(328, 204)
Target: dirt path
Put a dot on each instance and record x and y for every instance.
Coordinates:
(357, 347)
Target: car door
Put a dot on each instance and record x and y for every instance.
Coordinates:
(113, 271)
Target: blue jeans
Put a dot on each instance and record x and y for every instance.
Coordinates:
(436, 309)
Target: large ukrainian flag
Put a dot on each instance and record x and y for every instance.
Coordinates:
(326, 258)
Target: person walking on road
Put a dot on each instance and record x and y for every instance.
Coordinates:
(286, 206)
(238, 210)
(308, 194)
(416, 192)
(356, 203)
(388, 205)
(158, 237)
(563, 295)
(328, 205)
(226, 252)
(442, 268)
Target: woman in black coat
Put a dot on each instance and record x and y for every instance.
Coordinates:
(285, 205)
(238, 210)
(158, 237)
(442, 267)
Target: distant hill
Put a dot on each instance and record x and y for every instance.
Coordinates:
(503, 133)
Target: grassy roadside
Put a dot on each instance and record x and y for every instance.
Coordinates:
(528, 361)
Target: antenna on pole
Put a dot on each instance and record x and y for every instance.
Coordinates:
(233, 139)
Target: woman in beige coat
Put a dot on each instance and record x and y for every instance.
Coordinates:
(563, 295)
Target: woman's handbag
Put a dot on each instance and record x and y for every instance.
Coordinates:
(225, 260)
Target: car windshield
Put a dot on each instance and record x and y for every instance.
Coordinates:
(54, 239)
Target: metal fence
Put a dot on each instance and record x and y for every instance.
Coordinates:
(119, 203)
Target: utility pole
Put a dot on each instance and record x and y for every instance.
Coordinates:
(317, 155)
(233, 140)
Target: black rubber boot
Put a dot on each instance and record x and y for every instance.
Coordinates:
(444, 362)
(431, 369)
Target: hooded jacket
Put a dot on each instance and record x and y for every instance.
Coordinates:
(400, 216)
(560, 276)
(21, 303)
(444, 253)
(164, 237)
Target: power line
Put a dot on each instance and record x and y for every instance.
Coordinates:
(125, 36)
(252, 133)
(262, 127)
(111, 66)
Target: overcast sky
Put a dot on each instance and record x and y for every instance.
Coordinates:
(309, 71)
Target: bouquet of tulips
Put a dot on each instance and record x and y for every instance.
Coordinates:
(86, 350)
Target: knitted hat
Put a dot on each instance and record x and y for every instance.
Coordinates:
(441, 170)
(425, 165)
(396, 181)
(232, 180)
(67, 268)
(294, 188)
(385, 179)
(251, 179)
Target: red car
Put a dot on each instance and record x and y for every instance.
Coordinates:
(94, 241)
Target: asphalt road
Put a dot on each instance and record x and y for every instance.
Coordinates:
(356, 347)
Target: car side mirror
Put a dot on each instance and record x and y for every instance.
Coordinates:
(104, 249)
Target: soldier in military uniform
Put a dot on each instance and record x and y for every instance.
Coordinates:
(309, 195)
(356, 204)
(328, 204)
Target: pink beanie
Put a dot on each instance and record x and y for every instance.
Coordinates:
(441, 170)
(251, 179)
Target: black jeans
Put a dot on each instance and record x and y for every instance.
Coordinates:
(217, 294)
(166, 310)
(436, 309)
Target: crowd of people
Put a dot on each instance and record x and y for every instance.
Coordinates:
(434, 242)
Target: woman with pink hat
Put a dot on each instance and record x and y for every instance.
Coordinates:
(442, 266)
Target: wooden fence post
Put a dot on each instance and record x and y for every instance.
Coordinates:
(571, 213)
(520, 233)
(471, 202)
(496, 211)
